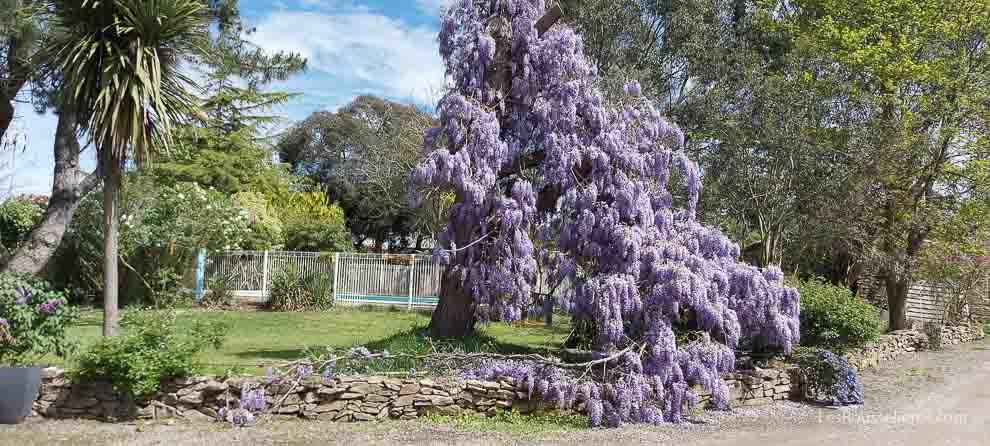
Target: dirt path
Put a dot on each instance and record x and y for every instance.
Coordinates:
(932, 399)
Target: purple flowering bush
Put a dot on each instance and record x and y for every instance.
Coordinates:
(33, 320)
(544, 168)
(830, 378)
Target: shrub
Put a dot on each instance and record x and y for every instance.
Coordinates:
(220, 294)
(161, 228)
(33, 320)
(311, 224)
(293, 291)
(17, 217)
(320, 289)
(831, 317)
(264, 222)
(934, 331)
(288, 292)
(149, 350)
(317, 237)
(830, 378)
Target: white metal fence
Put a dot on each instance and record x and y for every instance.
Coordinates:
(413, 280)
(388, 279)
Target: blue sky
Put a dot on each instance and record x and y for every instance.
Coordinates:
(382, 47)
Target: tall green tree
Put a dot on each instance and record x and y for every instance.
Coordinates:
(363, 154)
(915, 106)
(120, 66)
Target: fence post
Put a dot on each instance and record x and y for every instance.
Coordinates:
(200, 274)
(336, 268)
(412, 265)
(264, 276)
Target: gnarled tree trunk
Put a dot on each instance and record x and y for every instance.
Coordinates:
(454, 315)
(69, 185)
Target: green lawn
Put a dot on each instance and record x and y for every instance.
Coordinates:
(257, 339)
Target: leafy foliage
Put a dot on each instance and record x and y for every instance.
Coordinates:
(220, 294)
(267, 230)
(832, 318)
(311, 224)
(150, 349)
(362, 154)
(287, 293)
(830, 378)
(934, 331)
(17, 218)
(118, 62)
(33, 320)
(162, 227)
(957, 258)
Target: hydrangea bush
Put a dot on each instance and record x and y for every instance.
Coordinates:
(33, 320)
(544, 169)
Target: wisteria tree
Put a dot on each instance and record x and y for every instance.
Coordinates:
(545, 170)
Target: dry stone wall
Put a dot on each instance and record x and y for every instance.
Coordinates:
(898, 343)
(359, 398)
(365, 398)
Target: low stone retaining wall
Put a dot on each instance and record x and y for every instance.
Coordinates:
(345, 398)
(364, 398)
(898, 343)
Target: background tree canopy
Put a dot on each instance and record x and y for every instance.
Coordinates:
(363, 154)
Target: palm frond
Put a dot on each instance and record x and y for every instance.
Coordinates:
(119, 61)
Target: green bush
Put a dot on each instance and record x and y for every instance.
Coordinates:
(161, 229)
(149, 350)
(266, 226)
(832, 318)
(287, 292)
(17, 218)
(320, 288)
(317, 237)
(220, 294)
(33, 320)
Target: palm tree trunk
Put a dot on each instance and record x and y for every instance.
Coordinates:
(68, 188)
(111, 184)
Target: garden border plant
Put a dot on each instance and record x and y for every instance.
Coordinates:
(33, 322)
(149, 350)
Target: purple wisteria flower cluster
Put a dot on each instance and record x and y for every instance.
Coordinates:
(540, 162)
(51, 305)
(253, 399)
(5, 331)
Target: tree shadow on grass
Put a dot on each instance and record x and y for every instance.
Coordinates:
(414, 342)
(272, 355)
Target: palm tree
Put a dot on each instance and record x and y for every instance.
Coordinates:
(119, 64)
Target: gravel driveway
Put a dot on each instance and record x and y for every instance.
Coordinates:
(931, 399)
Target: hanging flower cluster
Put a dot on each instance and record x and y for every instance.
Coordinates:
(538, 158)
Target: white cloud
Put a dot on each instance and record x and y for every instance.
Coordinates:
(360, 51)
(433, 6)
